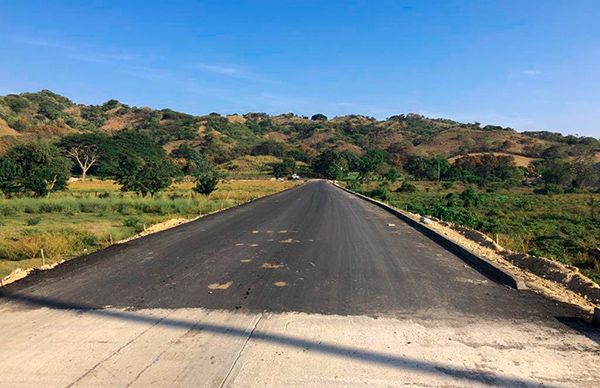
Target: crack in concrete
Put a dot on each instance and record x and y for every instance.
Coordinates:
(239, 355)
(92, 369)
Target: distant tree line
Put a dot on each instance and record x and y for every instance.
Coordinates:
(552, 174)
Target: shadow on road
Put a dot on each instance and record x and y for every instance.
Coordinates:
(582, 326)
(389, 360)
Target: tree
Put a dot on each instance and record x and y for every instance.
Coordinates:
(371, 162)
(145, 176)
(285, 168)
(138, 163)
(329, 165)
(187, 158)
(207, 178)
(43, 168)
(392, 175)
(558, 171)
(10, 174)
(469, 197)
(84, 149)
(269, 147)
(319, 117)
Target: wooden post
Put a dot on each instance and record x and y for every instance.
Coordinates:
(110, 237)
(43, 257)
(497, 239)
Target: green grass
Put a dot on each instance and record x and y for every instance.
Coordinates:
(91, 214)
(559, 227)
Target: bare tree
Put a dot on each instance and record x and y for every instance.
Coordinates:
(86, 156)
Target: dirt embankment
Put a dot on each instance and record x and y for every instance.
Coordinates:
(549, 277)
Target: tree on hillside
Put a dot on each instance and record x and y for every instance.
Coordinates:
(187, 158)
(435, 168)
(285, 168)
(270, 147)
(84, 149)
(329, 165)
(370, 163)
(319, 117)
(557, 172)
(43, 168)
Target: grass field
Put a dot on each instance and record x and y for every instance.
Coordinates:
(563, 227)
(91, 214)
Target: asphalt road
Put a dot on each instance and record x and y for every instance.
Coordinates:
(309, 287)
(314, 248)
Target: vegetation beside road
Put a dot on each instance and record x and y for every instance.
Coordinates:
(91, 213)
(564, 227)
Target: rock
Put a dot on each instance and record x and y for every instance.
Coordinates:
(425, 220)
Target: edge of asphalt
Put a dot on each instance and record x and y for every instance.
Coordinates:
(62, 267)
(479, 263)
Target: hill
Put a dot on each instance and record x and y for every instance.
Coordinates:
(237, 141)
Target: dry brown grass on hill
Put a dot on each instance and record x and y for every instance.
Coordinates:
(5, 130)
(520, 161)
(452, 141)
(277, 136)
(118, 122)
(235, 118)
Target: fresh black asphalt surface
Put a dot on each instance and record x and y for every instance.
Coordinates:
(314, 248)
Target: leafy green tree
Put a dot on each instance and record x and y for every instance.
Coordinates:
(43, 168)
(392, 175)
(145, 177)
(435, 168)
(469, 197)
(270, 147)
(10, 176)
(319, 117)
(558, 171)
(128, 144)
(187, 158)
(329, 165)
(285, 168)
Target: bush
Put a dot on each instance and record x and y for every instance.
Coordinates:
(549, 189)
(131, 222)
(380, 193)
(33, 221)
(406, 187)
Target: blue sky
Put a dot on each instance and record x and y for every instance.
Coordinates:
(532, 65)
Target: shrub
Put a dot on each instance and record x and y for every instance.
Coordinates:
(406, 187)
(131, 222)
(33, 221)
(380, 193)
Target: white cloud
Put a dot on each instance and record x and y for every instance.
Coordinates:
(232, 71)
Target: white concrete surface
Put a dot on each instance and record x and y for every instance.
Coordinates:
(198, 347)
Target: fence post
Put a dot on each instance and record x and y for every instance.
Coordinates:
(43, 257)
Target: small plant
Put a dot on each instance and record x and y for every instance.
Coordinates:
(131, 222)
(34, 221)
(406, 187)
